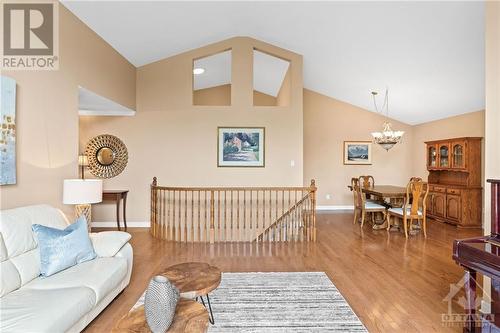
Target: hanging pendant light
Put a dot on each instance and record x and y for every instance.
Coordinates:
(387, 138)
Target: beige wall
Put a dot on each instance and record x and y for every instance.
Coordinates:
(470, 124)
(221, 95)
(327, 123)
(492, 117)
(214, 96)
(47, 106)
(283, 97)
(261, 99)
(177, 142)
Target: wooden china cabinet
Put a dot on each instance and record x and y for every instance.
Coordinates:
(455, 192)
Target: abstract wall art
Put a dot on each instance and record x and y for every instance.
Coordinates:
(8, 131)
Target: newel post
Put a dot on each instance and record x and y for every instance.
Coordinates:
(313, 190)
(152, 227)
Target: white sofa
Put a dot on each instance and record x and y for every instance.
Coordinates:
(66, 301)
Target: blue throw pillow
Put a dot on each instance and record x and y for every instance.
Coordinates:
(61, 249)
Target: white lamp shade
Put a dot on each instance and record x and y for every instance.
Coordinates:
(82, 191)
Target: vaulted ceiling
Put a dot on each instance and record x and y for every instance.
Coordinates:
(429, 54)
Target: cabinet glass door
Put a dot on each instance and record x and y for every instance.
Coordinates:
(444, 156)
(458, 155)
(432, 157)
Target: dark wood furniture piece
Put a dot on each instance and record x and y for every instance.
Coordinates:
(190, 316)
(455, 192)
(195, 280)
(482, 254)
(116, 196)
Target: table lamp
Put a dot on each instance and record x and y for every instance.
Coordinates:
(82, 193)
(83, 162)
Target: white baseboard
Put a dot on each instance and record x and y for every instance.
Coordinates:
(340, 207)
(113, 224)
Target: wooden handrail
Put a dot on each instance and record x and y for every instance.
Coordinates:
(283, 217)
(242, 188)
(228, 214)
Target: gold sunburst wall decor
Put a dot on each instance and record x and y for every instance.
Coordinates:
(107, 156)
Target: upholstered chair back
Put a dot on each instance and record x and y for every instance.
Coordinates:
(19, 255)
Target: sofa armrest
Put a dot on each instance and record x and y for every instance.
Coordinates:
(109, 243)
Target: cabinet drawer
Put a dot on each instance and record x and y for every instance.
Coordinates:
(454, 191)
(439, 189)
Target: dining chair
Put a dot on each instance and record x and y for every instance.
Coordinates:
(414, 206)
(362, 206)
(367, 181)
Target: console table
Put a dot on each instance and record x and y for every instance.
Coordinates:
(117, 196)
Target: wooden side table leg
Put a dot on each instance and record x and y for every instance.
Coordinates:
(125, 210)
(470, 306)
(118, 199)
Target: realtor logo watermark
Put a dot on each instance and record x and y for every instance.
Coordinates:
(461, 319)
(30, 34)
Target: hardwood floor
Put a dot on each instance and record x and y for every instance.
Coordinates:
(393, 284)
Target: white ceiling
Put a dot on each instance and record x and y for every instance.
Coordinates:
(92, 104)
(429, 54)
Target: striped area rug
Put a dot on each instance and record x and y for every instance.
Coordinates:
(280, 302)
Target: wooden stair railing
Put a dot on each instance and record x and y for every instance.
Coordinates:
(233, 214)
(295, 225)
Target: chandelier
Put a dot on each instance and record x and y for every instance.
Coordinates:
(387, 138)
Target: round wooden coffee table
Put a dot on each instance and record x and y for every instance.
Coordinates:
(195, 280)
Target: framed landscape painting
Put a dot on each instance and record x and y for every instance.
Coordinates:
(240, 146)
(8, 128)
(357, 152)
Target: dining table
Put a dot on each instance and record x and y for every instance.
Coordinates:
(390, 195)
(394, 195)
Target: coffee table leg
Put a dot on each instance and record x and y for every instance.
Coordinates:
(211, 316)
